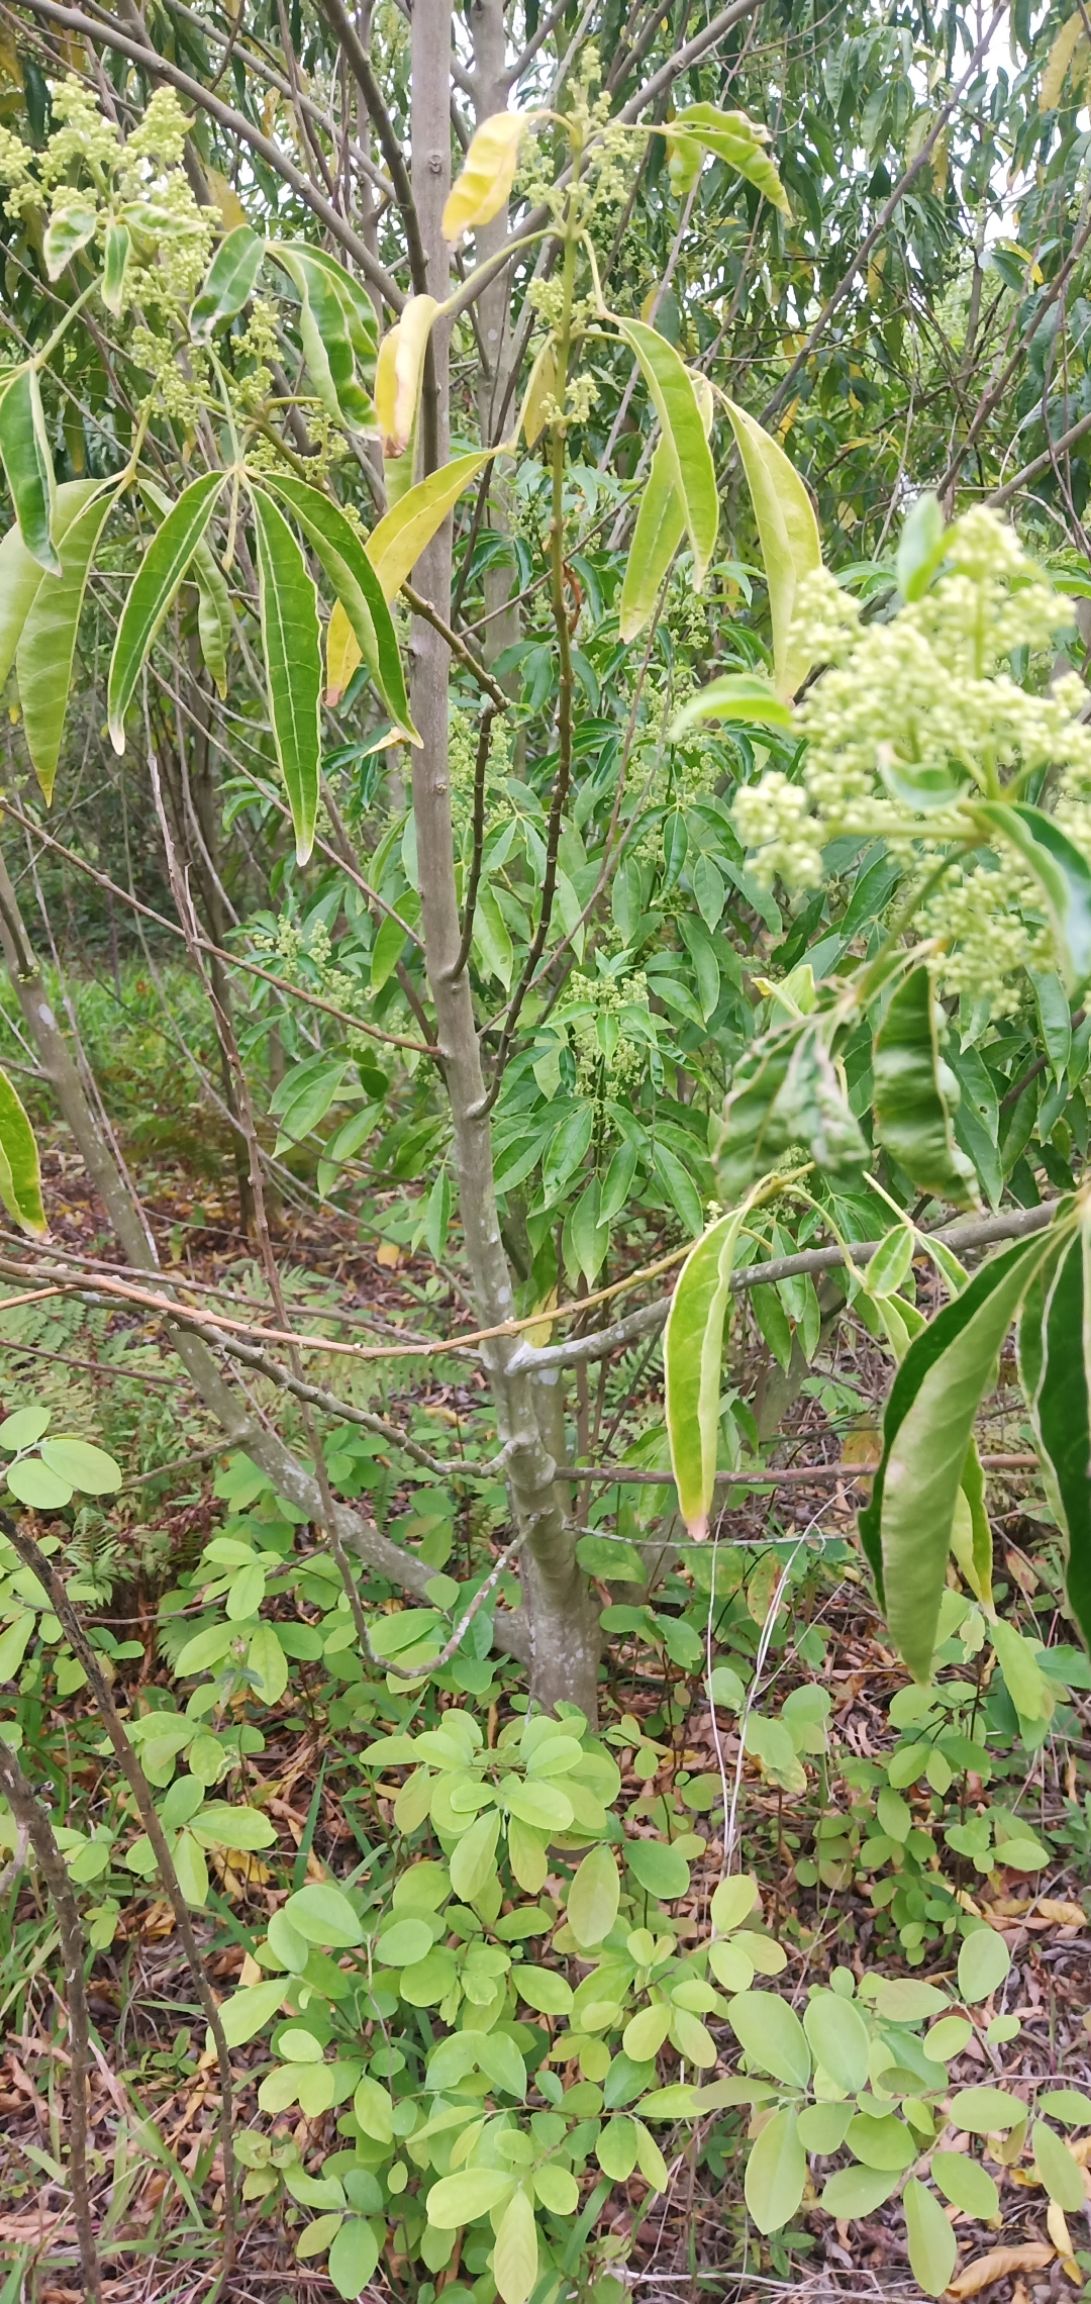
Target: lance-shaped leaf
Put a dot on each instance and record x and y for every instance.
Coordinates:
(660, 528)
(541, 392)
(788, 535)
(1063, 876)
(47, 643)
(291, 641)
(906, 1526)
(349, 571)
(152, 591)
(396, 543)
(1055, 1370)
(337, 328)
(675, 398)
(971, 1532)
(115, 265)
(399, 371)
(20, 1178)
(20, 575)
(737, 140)
(735, 696)
(488, 173)
(343, 654)
(916, 1094)
(693, 1350)
(229, 282)
(28, 466)
(215, 615)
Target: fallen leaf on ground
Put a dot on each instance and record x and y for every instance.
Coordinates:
(1000, 2264)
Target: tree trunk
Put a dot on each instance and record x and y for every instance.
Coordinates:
(557, 1598)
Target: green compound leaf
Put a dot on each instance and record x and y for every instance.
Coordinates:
(153, 589)
(337, 329)
(788, 535)
(1063, 876)
(679, 409)
(349, 571)
(28, 466)
(20, 1175)
(229, 281)
(906, 1526)
(292, 646)
(693, 1346)
(1054, 1349)
(915, 1095)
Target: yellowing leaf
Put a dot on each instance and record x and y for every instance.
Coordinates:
(396, 543)
(487, 175)
(541, 390)
(398, 373)
(999, 2264)
(343, 654)
(788, 534)
(1061, 57)
(226, 199)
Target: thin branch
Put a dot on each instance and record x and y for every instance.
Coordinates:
(362, 70)
(481, 770)
(51, 1581)
(34, 1824)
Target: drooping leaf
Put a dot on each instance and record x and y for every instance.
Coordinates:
(916, 1094)
(484, 184)
(776, 2172)
(737, 140)
(292, 646)
(20, 1176)
(154, 587)
(1055, 1369)
(787, 533)
(693, 1346)
(399, 372)
(736, 696)
(337, 330)
(28, 466)
(397, 541)
(115, 266)
(229, 281)
(906, 1526)
(541, 391)
(1063, 876)
(971, 1530)
(348, 568)
(678, 406)
(47, 643)
(659, 530)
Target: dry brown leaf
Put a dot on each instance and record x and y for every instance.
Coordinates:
(1057, 2228)
(1000, 2264)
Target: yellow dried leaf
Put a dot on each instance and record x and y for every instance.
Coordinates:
(9, 61)
(999, 2264)
(543, 1329)
(487, 176)
(226, 199)
(388, 1254)
(342, 654)
(1061, 56)
(862, 1446)
(1057, 2228)
(1062, 1914)
(399, 370)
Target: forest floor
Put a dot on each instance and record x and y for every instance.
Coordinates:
(154, 2090)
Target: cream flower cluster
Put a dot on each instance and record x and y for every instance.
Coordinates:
(914, 720)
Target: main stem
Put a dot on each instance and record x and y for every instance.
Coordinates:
(557, 1599)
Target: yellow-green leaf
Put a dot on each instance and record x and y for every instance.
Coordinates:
(515, 2254)
(677, 403)
(487, 176)
(399, 371)
(693, 1345)
(20, 1176)
(787, 533)
(28, 466)
(154, 587)
(291, 644)
(47, 643)
(396, 543)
